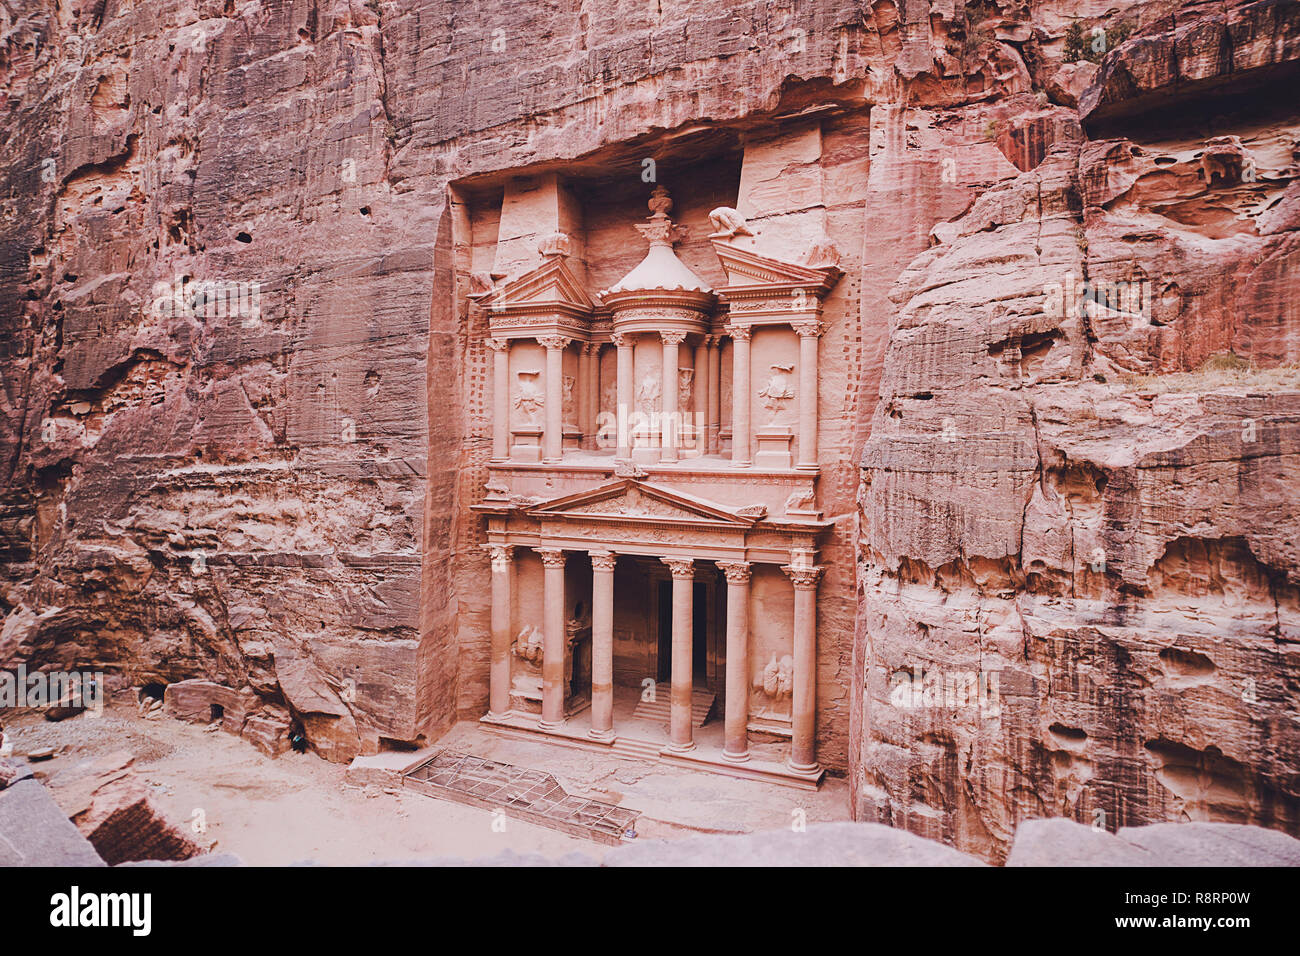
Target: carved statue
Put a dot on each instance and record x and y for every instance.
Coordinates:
(776, 393)
(530, 400)
(777, 681)
(727, 223)
(685, 380)
(567, 385)
(647, 394)
(555, 244)
(528, 645)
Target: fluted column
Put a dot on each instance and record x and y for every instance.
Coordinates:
(553, 440)
(803, 744)
(735, 728)
(713, 410)
(623, 342)
(740, 395)
(680, 734)
(668, 426)
(552, 637)
(499, 666)
(809, 333)
(500, 398)
(602, 644)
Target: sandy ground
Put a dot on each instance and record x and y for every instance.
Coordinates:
(299, 808)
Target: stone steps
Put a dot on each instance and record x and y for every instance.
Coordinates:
(659, 709)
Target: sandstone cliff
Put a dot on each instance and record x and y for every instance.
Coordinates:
(232, 425)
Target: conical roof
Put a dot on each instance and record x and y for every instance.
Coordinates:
(660, 270)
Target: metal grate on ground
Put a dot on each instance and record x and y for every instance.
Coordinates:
(531, 795)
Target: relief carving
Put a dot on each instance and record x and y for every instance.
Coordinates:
(777, 392)
(685, 383)
(528, 644)
(529, 399)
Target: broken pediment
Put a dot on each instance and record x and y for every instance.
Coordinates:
(551, 287)
(748, 270)
(628, 498)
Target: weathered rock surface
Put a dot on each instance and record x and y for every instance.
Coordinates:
(1060, 512)
(1066, 843)
(234, 445)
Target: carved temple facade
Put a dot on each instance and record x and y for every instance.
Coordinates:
(650, 508)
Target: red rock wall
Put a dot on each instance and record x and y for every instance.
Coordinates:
(282, 503)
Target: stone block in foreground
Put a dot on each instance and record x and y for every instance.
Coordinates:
(822, 844)
(1061, 842)
(35, 832)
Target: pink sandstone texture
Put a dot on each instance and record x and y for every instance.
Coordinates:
(1093, 508)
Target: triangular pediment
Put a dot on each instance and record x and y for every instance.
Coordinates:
(628, 498)
(746, 269)
(550, 285)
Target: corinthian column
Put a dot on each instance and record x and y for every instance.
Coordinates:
(553, 441)
(499, 673)
(602, 644)
(500, 398)
(736, 733)
(680, 735)
(809, 332)
(552, 638)
(803, 745)
(623, 342)
(740, 394)
(668, 429)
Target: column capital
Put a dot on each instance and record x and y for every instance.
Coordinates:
(551, 557)
(683, 569)
(621, 339)
(603, 560)
(497, 344)
(591, 348)
(554, 341)
(673, 337)
(740, 332)
(500, 555)
(808, 327)
(803, 578)
(736, 572)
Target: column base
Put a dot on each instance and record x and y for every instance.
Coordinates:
(499, 714)
(742, 757)
(549, 725)
(813, 767)
(602, 735)
(681, 748)
(807, 466)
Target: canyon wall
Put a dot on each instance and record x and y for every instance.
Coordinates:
(237, 439)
